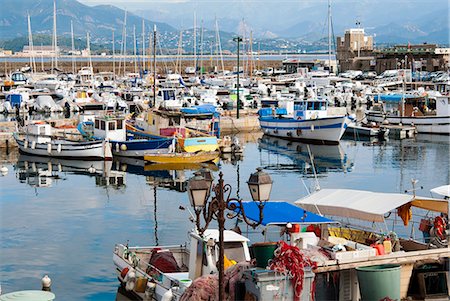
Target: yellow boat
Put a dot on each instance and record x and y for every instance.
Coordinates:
(198, 157)
(180, 166)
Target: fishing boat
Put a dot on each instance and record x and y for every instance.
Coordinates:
(194, 130)
(37, 139)
(124, 143)
(430, 115)
(181, 158)
(171, 270)
(364, 217)
(306, 120)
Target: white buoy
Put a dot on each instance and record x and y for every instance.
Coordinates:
(91, 169)
(46, 282)
(4, 170)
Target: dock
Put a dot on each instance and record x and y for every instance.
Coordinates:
(400, 131)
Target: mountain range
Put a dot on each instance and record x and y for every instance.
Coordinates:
(299, 23)
(99, 20)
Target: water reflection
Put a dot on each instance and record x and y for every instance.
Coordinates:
(42, 172)
(305, 158)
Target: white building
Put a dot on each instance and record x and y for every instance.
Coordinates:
(39, 51)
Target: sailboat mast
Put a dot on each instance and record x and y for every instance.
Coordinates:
(219, 46)
(250, 49)
(73, 47)
(114, 52)
(134, 49)
(143, 45)
(54, 39)
(124, 43)
(30, 46)
(179, 53)
(329, 35)
(195, 44)
(201, 50)
(55, 34)
(88, 42)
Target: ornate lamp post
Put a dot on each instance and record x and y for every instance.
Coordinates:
(237, 40)
(260, 185)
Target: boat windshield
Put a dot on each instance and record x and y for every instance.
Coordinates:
(234, 251)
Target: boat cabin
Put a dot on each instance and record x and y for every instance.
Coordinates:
(204, 251)
(310, 109)
(110, 127)
(170, 123)
(39, 133)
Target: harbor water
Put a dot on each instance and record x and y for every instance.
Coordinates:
(63, 218)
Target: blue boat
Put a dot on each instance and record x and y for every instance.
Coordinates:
(125, 143)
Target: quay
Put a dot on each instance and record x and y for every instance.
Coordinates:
(400, 131)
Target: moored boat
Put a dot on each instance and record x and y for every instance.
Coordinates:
(435, 120)
(182, 158)
(306, 120)
(38, 140)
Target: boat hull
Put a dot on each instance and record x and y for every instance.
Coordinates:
(138, 148)
(328, 130)
(195, 144)
(95, 150)
(423, 124)
(181, 158)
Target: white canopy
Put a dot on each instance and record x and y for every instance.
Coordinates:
(365, 205)
(443, 190)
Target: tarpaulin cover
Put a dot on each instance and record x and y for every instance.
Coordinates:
(282, 213)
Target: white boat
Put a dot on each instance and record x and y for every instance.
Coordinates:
(438, 123)
(304, 120)
(38, 140)
(49, 81)
(133, 263)
(368, 130)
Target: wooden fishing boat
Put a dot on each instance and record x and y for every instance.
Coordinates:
(181, 166)
(198, 157)
(37, 140)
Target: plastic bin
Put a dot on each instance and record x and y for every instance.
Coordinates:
(379, 282)
(263, 252)
(261, 285)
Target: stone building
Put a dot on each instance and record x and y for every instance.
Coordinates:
(422, 57)
(354, 51)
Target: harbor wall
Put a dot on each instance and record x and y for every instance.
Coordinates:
(163, 67)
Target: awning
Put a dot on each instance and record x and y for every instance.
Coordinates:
(365, 205)
(443, 190)
(281, 213)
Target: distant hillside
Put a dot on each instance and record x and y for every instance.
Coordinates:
(98, 20)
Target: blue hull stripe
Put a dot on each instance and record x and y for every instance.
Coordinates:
(316, 127)
(271, 119)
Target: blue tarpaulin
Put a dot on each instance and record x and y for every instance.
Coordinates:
(201, 109)
(282, 213)
(393, 97)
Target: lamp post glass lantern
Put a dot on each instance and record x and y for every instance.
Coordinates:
(260, 185)
(198, 190)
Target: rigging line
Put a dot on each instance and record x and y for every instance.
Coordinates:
(161, 51)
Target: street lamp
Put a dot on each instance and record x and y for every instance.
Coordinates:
(199, 186)
(237, 40)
